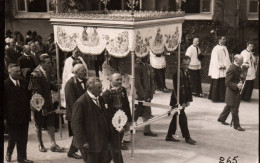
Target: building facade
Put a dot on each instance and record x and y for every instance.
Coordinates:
(237, 19)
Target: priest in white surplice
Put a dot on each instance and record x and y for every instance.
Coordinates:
(68, 72)
(219, 63)
(194, 53)
(250, 60)
(158, 63)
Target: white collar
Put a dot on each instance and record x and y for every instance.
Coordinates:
(32, 52)
(44, 72)
(236, 64)
(25, 54)
(79, 79)
(91, 95)
(249, 51)
(14, 81)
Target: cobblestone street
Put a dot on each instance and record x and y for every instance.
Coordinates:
(213, 139)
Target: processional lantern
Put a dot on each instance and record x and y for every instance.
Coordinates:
(120, 33)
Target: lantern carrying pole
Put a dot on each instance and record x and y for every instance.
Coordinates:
(58, 83)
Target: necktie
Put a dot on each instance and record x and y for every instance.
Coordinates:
(197, 50)
(97, 102)
(17, 84)
(83, 84)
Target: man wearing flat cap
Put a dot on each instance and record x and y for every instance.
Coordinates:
(16, 113)
(40, 84)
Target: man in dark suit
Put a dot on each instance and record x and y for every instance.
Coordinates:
(74, 88)
(116, 99)
(90, 124)
(184, 101)
(34, 54)
(26, 63)
(17, 113)
(13, 52)
(40, 83)
(233, 97)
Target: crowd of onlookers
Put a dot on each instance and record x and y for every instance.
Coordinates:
(18, 49)
(15, 42)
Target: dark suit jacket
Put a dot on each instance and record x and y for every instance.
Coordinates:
(185, 88)
(117, 99)
(231, 81)
(14, 53)
(144, 81)
(73, 90)
(90, 124)
(36, 58)
(16, 102)
(39, 84)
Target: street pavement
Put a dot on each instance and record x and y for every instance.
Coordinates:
(215, 142)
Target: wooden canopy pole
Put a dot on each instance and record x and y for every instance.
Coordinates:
(178, 88)
(58, 83)
(133, 101)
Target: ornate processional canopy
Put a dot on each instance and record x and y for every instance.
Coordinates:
(118, 32)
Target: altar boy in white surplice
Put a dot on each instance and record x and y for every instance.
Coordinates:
(219, 63)
(251, 62)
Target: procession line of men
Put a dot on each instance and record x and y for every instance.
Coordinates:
(89, 111)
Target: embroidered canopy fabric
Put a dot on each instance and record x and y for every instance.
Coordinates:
(157, 34)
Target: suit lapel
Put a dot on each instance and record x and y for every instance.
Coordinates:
(94, 106)
(78, 84)
(13, 87)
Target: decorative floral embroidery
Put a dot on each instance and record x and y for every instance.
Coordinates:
(118, 46)
(66, 41)
(91, 39)
(141, 47)
(172, 40)
(158, 38)
(157, 45)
